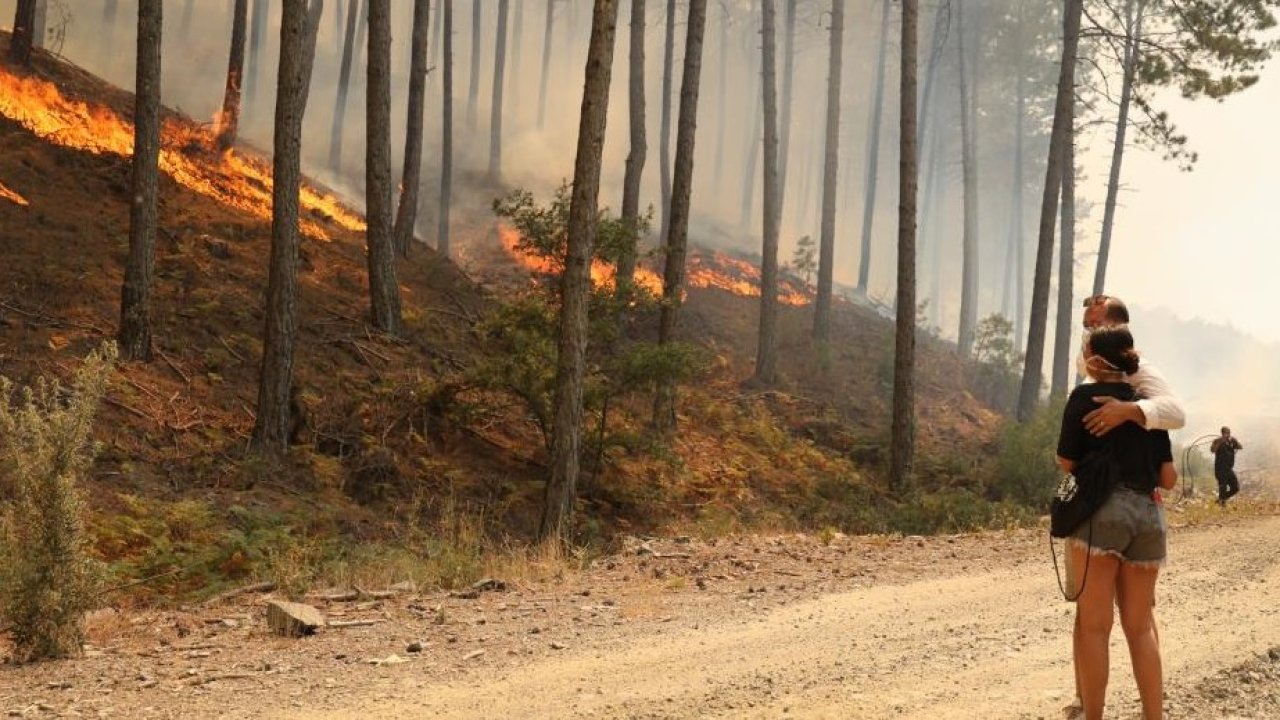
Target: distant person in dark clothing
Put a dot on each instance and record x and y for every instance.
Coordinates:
(1224, 449)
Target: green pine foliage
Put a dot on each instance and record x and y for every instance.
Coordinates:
(47, 578)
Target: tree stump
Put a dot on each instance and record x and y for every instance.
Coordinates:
(293, 619)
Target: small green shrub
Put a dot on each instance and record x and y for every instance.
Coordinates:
(47, 578)
(1025, 471)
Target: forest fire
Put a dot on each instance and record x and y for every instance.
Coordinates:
(186, 154)
(11, 196)
(717, 271)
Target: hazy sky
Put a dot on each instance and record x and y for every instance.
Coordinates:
(1206, 243)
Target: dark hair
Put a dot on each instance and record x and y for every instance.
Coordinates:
(1114, 343)
(1117, 311)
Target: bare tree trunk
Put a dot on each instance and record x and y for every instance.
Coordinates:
(664, 133)
(767, 349)
(788, 92)
(275, 385)
(1131, 55)
(229, 118)
(384, 291)
(546, 62)
(902, 443)
(1066, 268)
(495, 112)
(753, 155)
(38, 26)
(876, 110)
(830, 178)
(407, 210)
(566, 443)
(1032, 373)
(473, 90)
(446, 136)
(257, 31)
(436, 41)
(1014, 305)
(933, 240)
(24, 22)
(969, 162)
(664, 411)
(639, 150)
(722, 107)
(135, 302)
(344, 84)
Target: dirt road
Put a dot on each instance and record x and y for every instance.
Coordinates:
(955, 627)
(989, 644)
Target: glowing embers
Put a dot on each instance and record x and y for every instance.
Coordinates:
(602, 274)
(11, 196)
(186, 154)
(720, 271)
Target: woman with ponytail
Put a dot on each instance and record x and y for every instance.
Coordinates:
(1116, 556)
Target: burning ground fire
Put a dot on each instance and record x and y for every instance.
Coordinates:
(717, 271)
(234, 178)
(11, 196)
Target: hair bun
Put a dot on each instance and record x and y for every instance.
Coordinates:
(1130, 361)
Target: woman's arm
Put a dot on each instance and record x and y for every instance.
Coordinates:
(1066, 465)
(1168, 476)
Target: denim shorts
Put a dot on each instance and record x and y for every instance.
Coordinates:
(1130, 525)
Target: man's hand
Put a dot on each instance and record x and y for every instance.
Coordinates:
(1111, 415)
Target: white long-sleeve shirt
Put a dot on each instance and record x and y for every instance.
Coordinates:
(1162, 408)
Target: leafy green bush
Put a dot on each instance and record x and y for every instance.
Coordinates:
(999, 369)
(47, 578)
(1025, 471)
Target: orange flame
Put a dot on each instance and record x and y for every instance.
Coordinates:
(603, 275)
(233, 179)
(11, 196)
(720, 271)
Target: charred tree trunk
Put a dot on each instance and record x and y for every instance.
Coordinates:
(788, 87)
(1029, 394)
(384, 291)
(344, 85)
(566, 443)
(1066, 267)
(446, 135)
(902, 442)
(275, 385)
(495, 111)
(639, 150)
(135, 301)
(664, 411)
(664, 132)
(873, 151)
(969, 163)
(546, 62)
(24, 22)
(766, 371)
(229, 118)
(1131, 55)
(830, 177)
(473, 90)
(407, 210)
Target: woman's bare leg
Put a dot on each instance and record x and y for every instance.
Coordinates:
(1136, 589)
(1094, 615)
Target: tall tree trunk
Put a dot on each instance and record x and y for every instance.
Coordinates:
(275, 384)
(830, 177)
(384, 291)
(1131, 55)
(566, 442)
(722, 107)
(473, 90)
(24, 22)
(446, 136)
(931, 234)
(788, 92)
(257, 32)
(135, 302)
(517, 35)
(437, 40)
(344, 85)
(38, 26)
(876, 110)
(1032, 373)
(902, 443)
(639, 150)
(664, 133)
(229, 118)
(407, 209)
(495, 111)
(767, 349)
(664, 415)
(1066, 268)
(753, 155)
(1014, 307)
(546, 62)
(969, 162)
